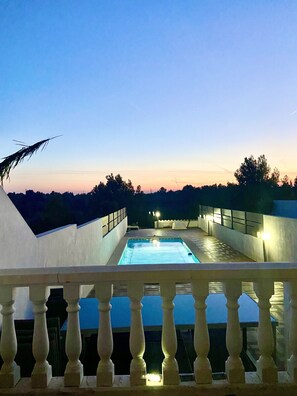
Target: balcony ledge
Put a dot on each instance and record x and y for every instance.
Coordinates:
(121, 385)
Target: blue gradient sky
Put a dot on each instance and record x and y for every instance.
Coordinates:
(165, 92)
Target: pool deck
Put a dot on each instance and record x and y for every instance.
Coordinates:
(209, 249)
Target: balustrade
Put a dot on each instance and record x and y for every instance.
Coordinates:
(167, 278)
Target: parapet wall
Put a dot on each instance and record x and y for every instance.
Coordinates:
(64, 246)
(280, 244)
(18, 244)
(193, 223)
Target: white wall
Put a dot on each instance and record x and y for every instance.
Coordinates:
(246, 244)
(77, 246)
(168, 223)
(282, 243)
(18, 244)
(18, 247)
(202, 223)
(65, 246)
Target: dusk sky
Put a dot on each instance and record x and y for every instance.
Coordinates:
(164, 92)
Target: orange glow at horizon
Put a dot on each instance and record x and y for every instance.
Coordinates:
(76, 182)
(150, 181)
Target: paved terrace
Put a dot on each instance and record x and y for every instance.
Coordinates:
(209, 249)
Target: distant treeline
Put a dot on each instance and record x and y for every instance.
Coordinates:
(47, 211)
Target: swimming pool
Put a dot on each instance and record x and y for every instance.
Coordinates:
(157, 251)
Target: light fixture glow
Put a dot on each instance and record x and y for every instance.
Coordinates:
(154, 379)
(265, 236)
(157, 214)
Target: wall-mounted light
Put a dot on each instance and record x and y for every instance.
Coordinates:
(265, 236)
(157, 214)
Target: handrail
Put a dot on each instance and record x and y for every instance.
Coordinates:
(149, 273)
(244, 222)
(135, 277)
(110, 221)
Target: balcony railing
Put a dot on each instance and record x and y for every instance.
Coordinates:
(238, 220)
(263, 276)
(110, 221)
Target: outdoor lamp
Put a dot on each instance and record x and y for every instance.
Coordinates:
(157, 214)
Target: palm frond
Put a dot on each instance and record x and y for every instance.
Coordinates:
(26, 151)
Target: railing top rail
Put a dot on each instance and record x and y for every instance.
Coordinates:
(146, 274)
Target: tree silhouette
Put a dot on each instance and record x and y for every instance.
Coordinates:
(256, 171)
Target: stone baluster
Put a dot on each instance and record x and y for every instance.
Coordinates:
(105, 369)
(74, 370)
(233, 366)
(169, 343)
(266, 368)
(42, 371)
(292, 361)
(202, 368)
(137, 341)
(10, 372)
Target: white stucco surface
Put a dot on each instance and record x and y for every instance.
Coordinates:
(281, 245)
(246, 244)
(18, 244)
(65, 246)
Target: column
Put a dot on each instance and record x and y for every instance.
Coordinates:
(137, 341)
(292, 361)
(169, 343)
(74, 370)
(202, 368)
(266, 368)
(233, 366)
(105, 369)
(42, 371)
(10, 372)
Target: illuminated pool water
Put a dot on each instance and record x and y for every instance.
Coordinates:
(157, 251)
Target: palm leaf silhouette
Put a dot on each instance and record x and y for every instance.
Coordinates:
(26, 151)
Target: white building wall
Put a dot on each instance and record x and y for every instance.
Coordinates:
(65, 246)
(282, 242)
(18, 247)
(203, 224)
(246, 244)
(18, 244)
